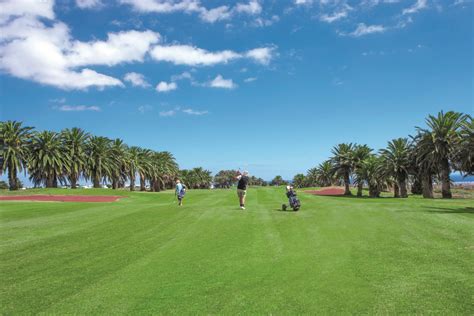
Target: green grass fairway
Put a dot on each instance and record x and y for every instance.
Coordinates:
(144, 255)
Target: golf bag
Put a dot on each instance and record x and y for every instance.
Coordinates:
(295, 203)
(182, 192)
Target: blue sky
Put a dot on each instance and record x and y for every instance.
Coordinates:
(269, 86)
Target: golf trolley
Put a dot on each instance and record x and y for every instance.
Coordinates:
(293, 200)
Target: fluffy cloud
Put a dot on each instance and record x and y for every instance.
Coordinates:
(363, 29)
(216, 14)
(251, 8)
(136, 79)
(78, 108)
(35, 46)
(220, 82)
(417, 6)
(34, 8)
(129, 46)
(261, 55)
(194, 6)
(194, 56)
(47, 54)
(166, 87)
(88, 4)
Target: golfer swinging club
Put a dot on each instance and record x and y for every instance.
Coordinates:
(242, 187)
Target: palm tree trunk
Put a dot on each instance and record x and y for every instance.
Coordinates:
(396, 190)
(12, 179)
(132, 183)
(96, 181)
(427, 185)
(73, 180)
(445, 181)
(403, 188)
(347, 190)
(142, 183)
(360, 186)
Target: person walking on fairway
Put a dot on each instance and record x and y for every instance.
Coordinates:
(242, 187)
(180, 191)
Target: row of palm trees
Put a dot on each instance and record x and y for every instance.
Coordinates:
(52, 158)
(446, 144)
(224, 179)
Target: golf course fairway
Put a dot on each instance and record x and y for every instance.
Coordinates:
(145, 255)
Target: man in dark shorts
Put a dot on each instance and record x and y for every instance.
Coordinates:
(242, 187)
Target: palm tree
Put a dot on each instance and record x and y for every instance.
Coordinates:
(164, 170)
(343, 163)
(48, 162)
(299, 180)
(464, 153)
(119, 173)
(444, 129)
(74, 141)
(145, 166)
(396, 162)
(133, 163)
(324, 174)
(278, 180)
(369, 171)
(425, 162)
(14, 140)
(361, 153)
(100, 159)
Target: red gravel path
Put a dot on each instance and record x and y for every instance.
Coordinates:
(328, 191)
(61, 198)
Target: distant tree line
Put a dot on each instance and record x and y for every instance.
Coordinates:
(446, 144)
(224, 179)
(63, 158)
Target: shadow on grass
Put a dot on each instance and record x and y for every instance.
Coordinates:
(450, 210)
(364, 197)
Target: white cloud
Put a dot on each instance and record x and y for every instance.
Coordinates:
(168, 113)
(363, 29)
(220, 13)
(166, 87)
(47, 54)
(261, 55)
(220, 82)
(216, 14)
(88, 4)
(417, 6)
(128, 46)
(163, 6)
(251, 79)
(191, 55)
(194, 56)
(251, 8)
(136, 79)
(194, 112)
(32, 8)
(303, 2)
(337, 15)
(78, 108)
